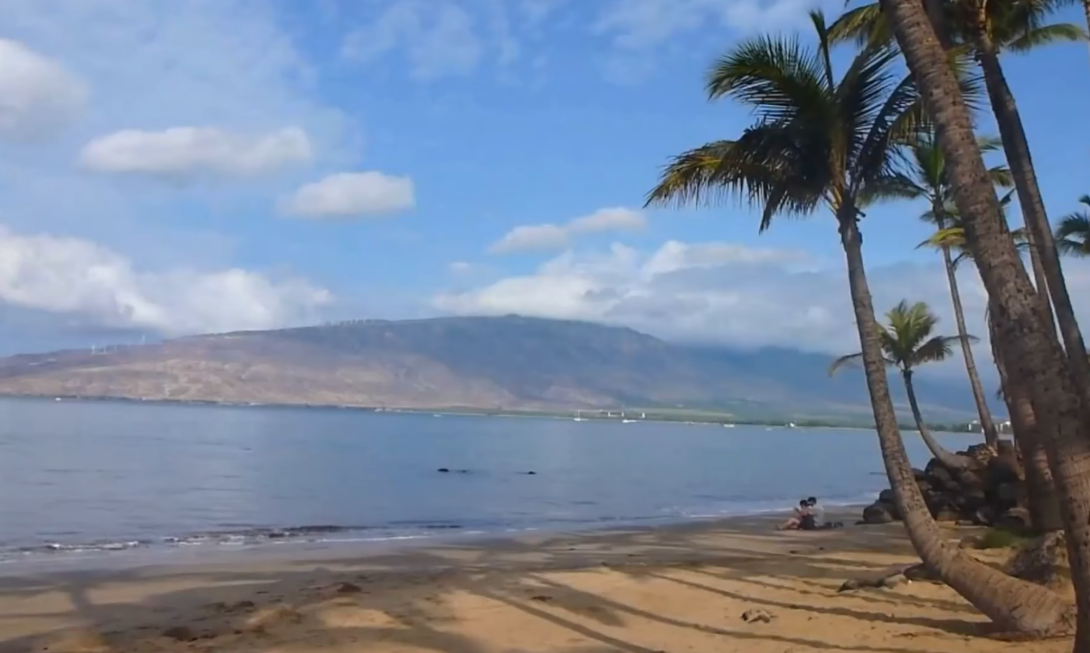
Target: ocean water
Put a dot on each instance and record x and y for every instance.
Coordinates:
(101, 478)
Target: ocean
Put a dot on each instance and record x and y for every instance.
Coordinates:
(94, 479)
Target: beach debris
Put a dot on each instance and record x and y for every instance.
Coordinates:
(237, 606)
(886, 580)
(541, 598)
(180, 633)
(347, 588)
(268, 618)
(757, 615)
(921, 572)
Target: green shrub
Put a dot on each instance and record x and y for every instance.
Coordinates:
(1000, 538)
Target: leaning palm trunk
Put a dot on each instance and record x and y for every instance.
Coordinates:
(946, 458)
(1034, 356)
(1044, 502)
(1050, 281)
(991, 435)
(1013, 604)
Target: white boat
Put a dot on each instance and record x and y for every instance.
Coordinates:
(578, 416)
(728, 426)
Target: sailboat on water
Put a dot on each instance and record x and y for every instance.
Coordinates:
(578, 416)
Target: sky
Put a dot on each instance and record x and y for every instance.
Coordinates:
(170, 167)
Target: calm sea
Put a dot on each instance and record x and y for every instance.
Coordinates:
(95, 478)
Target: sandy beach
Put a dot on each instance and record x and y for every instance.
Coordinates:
(682, 588)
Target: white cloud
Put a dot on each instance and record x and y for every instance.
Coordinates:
(635, 24)
(460, 267)
(438, 38)
(79, 278)
(38, 96)
(557, 236)
(351, 194)
(728, 293)
(181, 153)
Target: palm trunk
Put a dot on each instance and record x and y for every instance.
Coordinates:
(1044, 502)
(991, 435)
(946, 458)
(1038, 230)
(1034, 358)
(1013, 604)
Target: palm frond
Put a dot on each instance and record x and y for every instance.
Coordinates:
(844, 361)
(939, 348)
(778, 77)
(863, 25)
(1045, 35)
(1073, 233)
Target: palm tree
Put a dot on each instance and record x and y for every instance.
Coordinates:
(1035, 356)
(1073, 232)
(929, 181)
(907, 343)
(823, 141)
(1044, 506)
(987, 29)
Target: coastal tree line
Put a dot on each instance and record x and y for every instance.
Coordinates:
(902, 121)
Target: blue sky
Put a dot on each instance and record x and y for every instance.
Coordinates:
(180, 166)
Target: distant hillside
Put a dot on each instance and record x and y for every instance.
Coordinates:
(487, 363)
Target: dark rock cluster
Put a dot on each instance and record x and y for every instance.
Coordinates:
(991, 492)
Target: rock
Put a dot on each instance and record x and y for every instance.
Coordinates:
(886, 496)
(946, 514)
(972, 480)
(757, 616)
(985, 516)
(877, 513)
(1015, 519)
(443, 470)
(919, 474)
(1004, 469)
(180, 633)
(1011, 493)
(347, 588)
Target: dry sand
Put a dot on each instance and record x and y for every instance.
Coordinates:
(641, 591)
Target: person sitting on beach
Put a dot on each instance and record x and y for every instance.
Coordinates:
(817, 511)
(800, 519)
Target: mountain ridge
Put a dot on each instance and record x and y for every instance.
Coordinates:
(486, 363)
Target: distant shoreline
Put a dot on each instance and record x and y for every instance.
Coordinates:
(696, 417)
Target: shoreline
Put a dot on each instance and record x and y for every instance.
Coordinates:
(638, 590)
(173, 551)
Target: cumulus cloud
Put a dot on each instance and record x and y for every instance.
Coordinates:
(351, 194)
(81, 279)
(727, 293)
(38, 96)
(180, 153)
(437, 37)
(558, 236)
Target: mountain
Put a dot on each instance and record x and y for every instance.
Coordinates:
(467, 362)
